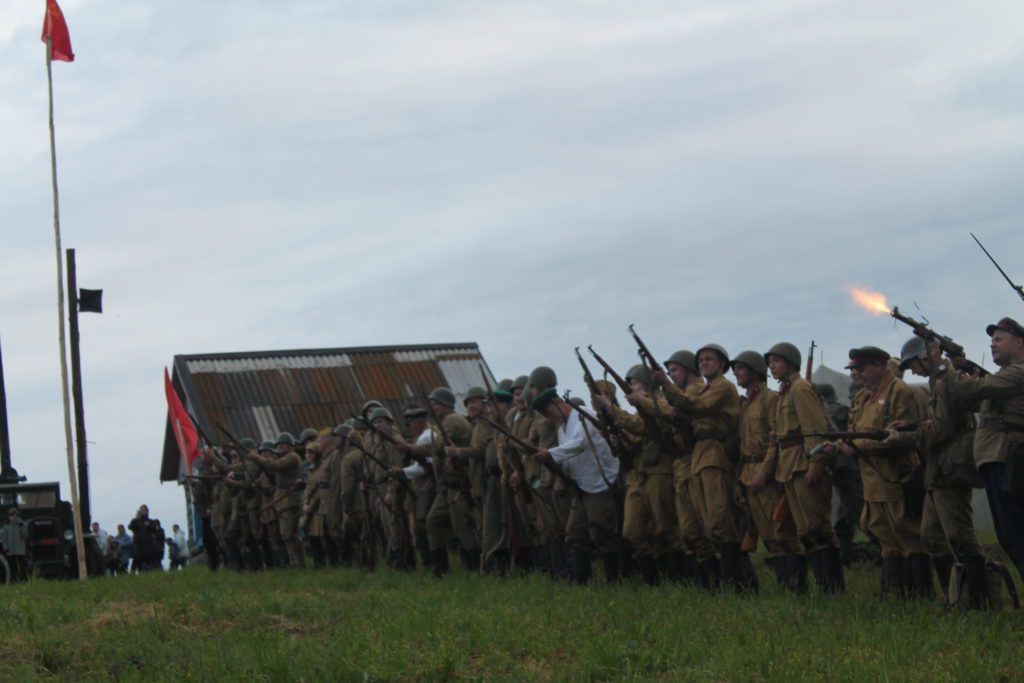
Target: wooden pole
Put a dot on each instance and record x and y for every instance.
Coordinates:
(72, 479)
(76, 392)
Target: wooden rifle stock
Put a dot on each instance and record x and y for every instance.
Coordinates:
(623, 384)
(644, 351)
(549, 465)
(948, 346)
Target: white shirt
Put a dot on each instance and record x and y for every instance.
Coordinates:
(416, 470)
(585, 455)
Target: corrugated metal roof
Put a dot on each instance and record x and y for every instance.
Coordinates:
(261, 393)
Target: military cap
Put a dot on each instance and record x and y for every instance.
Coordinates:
(543, 377)
(381, 413)
(717, 348)
(543, 399)
(577, 401)
(605, 387)
(414, 410)
(825, 390)
(284, 438)
(505, 385)
(1006, 325)
(267, 446)
(639, 373)
(247, 443)
(520, 382)
(753, 360)
(308, 434)
(503, 395)
(787, 351)
(444, 396)
(474, 392)
(915, 348)
(342, 430)
(687, 359)
(867, 354)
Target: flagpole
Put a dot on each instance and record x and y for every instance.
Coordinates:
(72, 477)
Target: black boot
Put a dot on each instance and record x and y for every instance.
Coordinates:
(423, 547)
(317, 551)
(471, 559)
(923, 585)
(779, 564)
(711, 575)
(675, 566)
(331, 546)
(816, 561)
(977, 583)
(648, 569)
(748, 576)
(581, 569)
(439, 561)
(892, 577)
(943, 570)
(796, 574)
(836, 579)
(611, 567)
(542, 558)
(692, 573)
(729, 564)
(526, 559)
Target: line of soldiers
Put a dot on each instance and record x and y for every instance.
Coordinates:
(682, 489)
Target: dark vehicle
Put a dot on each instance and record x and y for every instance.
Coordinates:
(51, 528)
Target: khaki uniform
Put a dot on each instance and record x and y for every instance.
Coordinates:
(649, 523)
(714, 413)
(885, 467)
(331, 463)
(756, 412)
(451, 511)
(356, 543)
(799, 410)
(285, 470)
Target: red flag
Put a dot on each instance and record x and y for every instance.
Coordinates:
(181, 424)
(56, 29)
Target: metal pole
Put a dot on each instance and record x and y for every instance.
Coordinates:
(76, 392)
(5, 436)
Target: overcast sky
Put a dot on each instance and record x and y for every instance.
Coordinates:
(529, 175)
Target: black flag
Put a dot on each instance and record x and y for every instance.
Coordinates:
(90, 300)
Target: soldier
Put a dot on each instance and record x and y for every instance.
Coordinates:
(649, 520)
(498, 531)
(420, 481)
(845, 476)
(452, 504)
(892, 512)
(220, 516)
(274, 554)
(242, 533)
(357, 543)
(999, 441)
(331, 462)
(587, 459)
(756, 411)
(203, 499)
(947, 439)
(468, 459)
(701, 563)
(314, 502)
(285, 469)
(392, 501)
(800, 466)
(519, 419)
(714, 413)
(306, 437)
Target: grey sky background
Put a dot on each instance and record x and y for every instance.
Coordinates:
(532, 176)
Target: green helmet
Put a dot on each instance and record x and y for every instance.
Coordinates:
(342, 430)
(444, 396)
(787, 351)
(915, 349)
(267, 446)
(543, 377)
(381, 414)
(247, 443)
(284, 438)
(577, 401)
(308, 434)
(413, 410)
(520, 382)
(370, 405)
(687, 359)
(639, 373)
(474, 392)
(505, 385)
(717, 348)
(753, 360)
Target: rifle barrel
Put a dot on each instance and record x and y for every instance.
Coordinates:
(1017, 288)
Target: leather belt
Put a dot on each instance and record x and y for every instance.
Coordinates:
(709, 436)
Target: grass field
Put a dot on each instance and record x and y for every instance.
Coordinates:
(349, 626)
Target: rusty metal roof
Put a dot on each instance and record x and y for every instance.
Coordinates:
(262, 393)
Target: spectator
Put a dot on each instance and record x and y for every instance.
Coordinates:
(143, 538)
(14, 538)
(178, 548)
(159, 545)
(101, 538)
(113, 556)
(124, 542)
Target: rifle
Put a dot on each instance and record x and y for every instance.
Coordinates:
(880, 435)
(587, 417)
(373, 428)
(204, 477)
(587, 377)
(1017, 288)
(402, 483)
(549, 465)
(623, 384)
(294, 488)
(517, 462)
(241, 453)
(644, 351)
(948, 346)
(810, 362)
